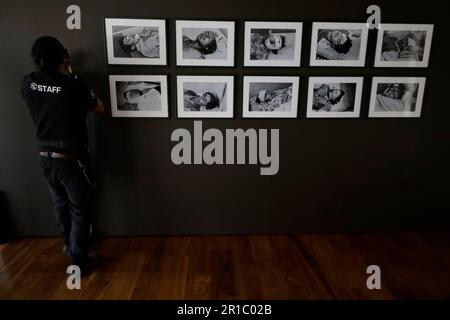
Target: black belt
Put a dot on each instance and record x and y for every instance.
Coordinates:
(57, 155)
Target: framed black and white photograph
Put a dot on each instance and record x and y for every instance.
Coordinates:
(334, 97)
(404, 45)
(270, 97)
(272, 44)
(205, 96)
(338, 44)
(205, 43)
(400, 97)
(138, 96)
(136, 41)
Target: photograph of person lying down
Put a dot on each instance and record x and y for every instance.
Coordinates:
(135, 41)
(404, 45)
(205, 43)
(334, 97)
(397, 98)
(138, 96)
(337, 97)
(272, 43)
(204, 98)
(338, 46)
(270, 97)
(201, 43)
(265, 44)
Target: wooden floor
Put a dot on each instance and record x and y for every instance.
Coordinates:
(413, 266)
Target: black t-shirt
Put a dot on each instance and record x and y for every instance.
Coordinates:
(58, 105)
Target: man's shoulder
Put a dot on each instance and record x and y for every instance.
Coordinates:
(41, 78)
(28, 77)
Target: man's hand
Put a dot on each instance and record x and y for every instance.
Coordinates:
(99, 110)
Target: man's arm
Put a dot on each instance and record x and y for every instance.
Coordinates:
(88, 99)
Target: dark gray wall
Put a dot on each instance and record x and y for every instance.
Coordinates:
(335, 175)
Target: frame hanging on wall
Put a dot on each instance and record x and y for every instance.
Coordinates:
(399, 97)
(338, 44)
(404, 45)
(205, 43)
(139, 96)
(334, 97)
(270, 97)
(205, 96)
(272, 44)
(136, 41)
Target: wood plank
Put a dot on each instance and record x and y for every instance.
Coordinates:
(414, 265)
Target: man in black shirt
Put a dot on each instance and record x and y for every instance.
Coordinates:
(58, 103)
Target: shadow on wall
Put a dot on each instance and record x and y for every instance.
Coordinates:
(5, 219)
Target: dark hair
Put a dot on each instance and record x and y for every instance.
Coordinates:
(48, 52)
(210, 48)
(283, 44)
(126, 47)
(214, 103)
(401, 88)
(343, 48)
(338, 99)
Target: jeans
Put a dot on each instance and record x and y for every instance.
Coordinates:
(71, 193)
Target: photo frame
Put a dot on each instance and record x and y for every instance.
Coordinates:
(205, 43)
(272, 44)
(136, 41)
(404, 45)
(139, 96)
(205, 96)
(337, 44)
(270, 97)
(397, 97)
(334, 97)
